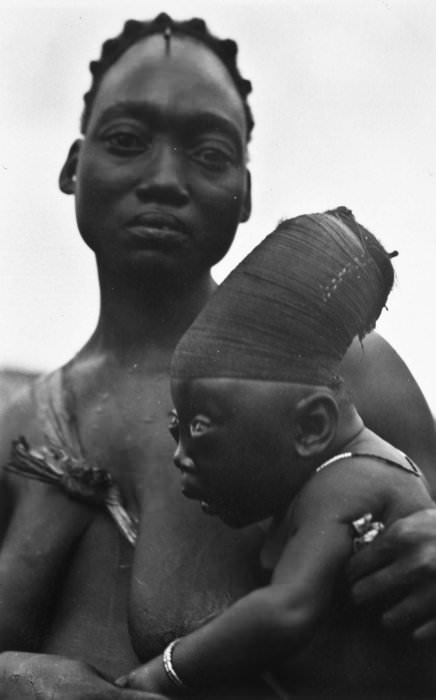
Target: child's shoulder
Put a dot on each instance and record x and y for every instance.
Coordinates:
(371, 476)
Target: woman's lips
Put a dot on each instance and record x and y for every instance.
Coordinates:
(159, 223)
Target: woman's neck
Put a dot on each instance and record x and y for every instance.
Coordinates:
(136, 318)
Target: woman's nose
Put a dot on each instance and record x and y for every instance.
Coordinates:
(164, 176)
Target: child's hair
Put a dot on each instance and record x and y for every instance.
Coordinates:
(134, 30)
(291, 309)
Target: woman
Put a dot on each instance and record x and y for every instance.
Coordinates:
(161, 183)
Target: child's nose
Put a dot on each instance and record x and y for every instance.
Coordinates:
(182, 460)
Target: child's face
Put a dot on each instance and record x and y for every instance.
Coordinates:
(235, 446)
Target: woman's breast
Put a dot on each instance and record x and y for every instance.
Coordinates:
(89, 618)
(188, 566)
(118, 605)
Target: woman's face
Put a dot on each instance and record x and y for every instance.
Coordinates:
(161, 174)
(235, 446)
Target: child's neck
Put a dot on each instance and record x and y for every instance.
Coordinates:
(351, 432)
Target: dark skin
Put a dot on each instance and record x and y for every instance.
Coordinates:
(399, 574)
(272, 474)
(49, 676)
(152, 155)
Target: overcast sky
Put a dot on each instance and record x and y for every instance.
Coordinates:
(345, 106)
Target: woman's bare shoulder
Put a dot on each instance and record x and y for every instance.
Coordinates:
(19, 415)
(372, 361)
(390, 401)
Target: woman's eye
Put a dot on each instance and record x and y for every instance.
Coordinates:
(125, 142)
(199, 426)
(173, 425)
(213, 158)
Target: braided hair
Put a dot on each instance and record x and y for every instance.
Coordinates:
(134, 30)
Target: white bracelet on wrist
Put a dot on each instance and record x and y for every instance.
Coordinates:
(167, 659)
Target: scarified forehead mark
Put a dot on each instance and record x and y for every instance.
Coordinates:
(167, 38)
(164, 26)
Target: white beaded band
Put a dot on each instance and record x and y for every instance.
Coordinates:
(167, 658)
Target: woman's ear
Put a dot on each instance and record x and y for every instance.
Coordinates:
(316, 423)
(67, 176)
(246, 209)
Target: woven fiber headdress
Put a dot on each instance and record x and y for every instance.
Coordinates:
(290, 310)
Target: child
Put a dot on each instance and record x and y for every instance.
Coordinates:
(265, 429)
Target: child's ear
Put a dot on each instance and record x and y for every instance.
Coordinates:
(316, 423)
(67, 176)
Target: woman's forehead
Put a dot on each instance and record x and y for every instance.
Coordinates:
(182, 74)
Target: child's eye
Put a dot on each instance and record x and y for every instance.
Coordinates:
(199, 426)
(173, 424)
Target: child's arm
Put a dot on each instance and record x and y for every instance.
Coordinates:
(263, 627)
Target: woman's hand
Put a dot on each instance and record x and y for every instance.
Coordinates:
(398, 572)
(26, 676)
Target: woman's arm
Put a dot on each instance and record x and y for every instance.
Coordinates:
(25, 676)
(39, 526)
(43, 529)
(390, 401)
(399, 569)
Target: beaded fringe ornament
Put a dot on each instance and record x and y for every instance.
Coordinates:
(54, 464)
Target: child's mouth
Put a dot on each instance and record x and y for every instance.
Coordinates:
(191, 490)
(208, 508)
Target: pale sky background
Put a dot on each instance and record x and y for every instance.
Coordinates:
(345, 106)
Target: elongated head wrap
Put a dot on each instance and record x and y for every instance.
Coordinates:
(290, 310)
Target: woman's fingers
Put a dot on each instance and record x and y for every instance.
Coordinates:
(416, 610)
(426, 632)
(378, 586)
(409, 542)
(370, 558)
(397, 572)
